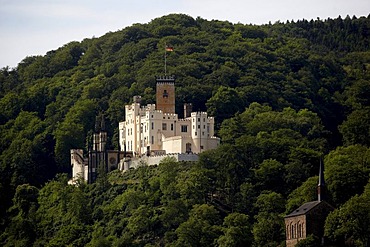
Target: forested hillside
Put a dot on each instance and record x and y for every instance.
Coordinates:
(284, 96)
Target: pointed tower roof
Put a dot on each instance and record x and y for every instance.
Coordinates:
(321, 174)
(100, 123)
(321, 184)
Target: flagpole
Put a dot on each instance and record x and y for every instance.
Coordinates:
(165, 59)
(166, 49)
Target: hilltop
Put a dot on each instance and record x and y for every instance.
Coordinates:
(283, 95)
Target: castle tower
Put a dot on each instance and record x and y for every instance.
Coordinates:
(165, 94)
(100, 136)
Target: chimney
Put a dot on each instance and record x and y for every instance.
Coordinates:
(137, 99)
(321, 185)
(188, 107)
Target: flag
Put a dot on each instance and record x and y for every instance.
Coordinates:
(169, 48)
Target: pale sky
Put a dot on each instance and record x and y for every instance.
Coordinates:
(34, 27)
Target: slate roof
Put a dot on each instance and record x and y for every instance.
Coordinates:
(304, 208)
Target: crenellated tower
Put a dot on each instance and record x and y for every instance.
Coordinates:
(165, 94)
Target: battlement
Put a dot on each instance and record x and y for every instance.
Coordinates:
(169, 114)
(184, 120)
(193, 114)
(149, 107)
(165, 79)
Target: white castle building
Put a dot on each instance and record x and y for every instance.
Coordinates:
(152, 132)
(156, 129)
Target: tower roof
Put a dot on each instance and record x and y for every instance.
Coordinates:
(321, 174)
(321, 185)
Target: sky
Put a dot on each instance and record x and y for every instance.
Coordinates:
(34, 27)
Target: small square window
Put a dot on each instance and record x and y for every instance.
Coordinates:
(184, 128)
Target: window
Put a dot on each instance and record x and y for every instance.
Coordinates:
(152, 125)
(184, 128)
(152, 139)
(164, 126)
(198, 126)
(165, 94)
(188, 148)
(198, 119)
(287, 232)
(291, 231)
(171, 126)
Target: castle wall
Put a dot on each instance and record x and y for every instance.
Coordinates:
(155, 160)
(78, 164)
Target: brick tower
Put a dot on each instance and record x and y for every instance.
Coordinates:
(165, 98)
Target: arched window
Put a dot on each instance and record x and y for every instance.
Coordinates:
(188, 148)
(287, 232)
(292, 231)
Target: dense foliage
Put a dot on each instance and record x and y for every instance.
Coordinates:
(283, 95)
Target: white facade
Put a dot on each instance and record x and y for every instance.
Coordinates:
(79, 166)
(148, 131)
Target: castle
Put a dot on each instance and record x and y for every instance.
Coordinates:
(149, 133)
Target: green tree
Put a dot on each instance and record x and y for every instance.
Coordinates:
(270, 175)
(350, 222)
(22, 229)
(224, 104)
(347, 172)
(268, 230)
(237, 231)
(72, 131)
(355, 129)
(307, 192)
(309, 241)
(202, 227)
